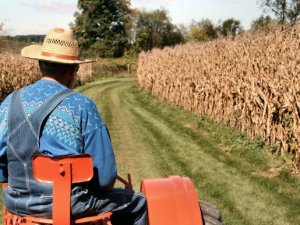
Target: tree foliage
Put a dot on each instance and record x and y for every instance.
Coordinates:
(202, 31)
(230, 27)
(286, 11)
(100, 26)
(154, 29)
(261, 23)
(27, 38)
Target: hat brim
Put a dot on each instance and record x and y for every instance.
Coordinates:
(34, 52)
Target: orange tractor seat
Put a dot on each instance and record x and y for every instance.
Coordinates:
(62, 172)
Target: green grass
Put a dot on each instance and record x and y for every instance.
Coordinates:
(248, 165)
(152, 138)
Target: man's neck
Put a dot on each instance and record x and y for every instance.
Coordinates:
(64, 80)
(54, 80)
(49, 78)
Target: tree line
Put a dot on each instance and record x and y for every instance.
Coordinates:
(111, 28)
(26, 38)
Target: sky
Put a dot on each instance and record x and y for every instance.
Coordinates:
(21, 17)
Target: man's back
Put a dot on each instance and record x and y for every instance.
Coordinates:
(70, 128)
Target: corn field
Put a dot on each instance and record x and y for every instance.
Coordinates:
(85, 73)
(252, 83)
(17, 72)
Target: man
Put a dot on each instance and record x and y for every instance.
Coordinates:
(48, 118)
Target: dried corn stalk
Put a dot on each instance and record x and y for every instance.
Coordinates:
(17, 72)
(251, 83)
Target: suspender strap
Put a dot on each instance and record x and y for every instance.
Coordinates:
(36, 118)
(44, 110)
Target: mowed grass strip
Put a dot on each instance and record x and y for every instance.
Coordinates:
(155, 139)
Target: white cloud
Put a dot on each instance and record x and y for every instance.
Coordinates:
(228, 1)
(157, 3)
(48, 6)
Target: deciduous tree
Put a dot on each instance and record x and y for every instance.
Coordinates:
(202, 31)
(230, 27)
(100, 27)
(154, 29)
(286, 11)
(261, 23)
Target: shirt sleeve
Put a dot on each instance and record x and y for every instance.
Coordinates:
(97, 143)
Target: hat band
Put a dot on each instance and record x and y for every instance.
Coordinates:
(59, 56)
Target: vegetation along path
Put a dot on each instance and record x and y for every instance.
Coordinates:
(155, 139)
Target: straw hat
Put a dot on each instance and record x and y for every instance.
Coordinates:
(59, 46)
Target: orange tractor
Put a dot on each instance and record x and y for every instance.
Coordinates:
(171, 201)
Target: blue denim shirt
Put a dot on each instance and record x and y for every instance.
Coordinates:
(74, 127)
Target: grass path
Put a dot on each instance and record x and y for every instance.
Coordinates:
(154, 139)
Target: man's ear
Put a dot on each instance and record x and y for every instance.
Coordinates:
(72, 76)
(76, 68)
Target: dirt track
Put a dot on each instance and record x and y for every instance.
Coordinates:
(154, 143)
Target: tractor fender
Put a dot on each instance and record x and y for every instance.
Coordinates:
(171, 201)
